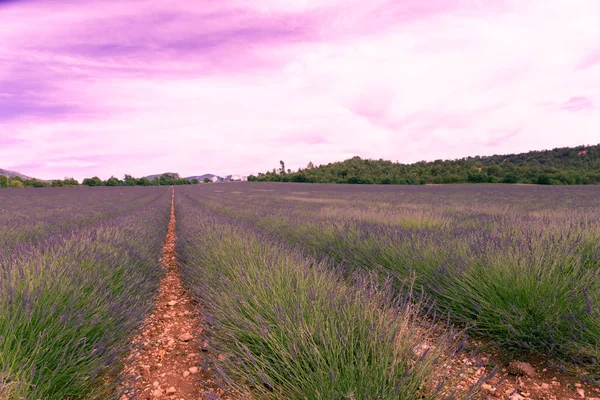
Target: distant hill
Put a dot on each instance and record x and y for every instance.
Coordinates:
(565, 165)
(12, 174)
(172, 174)
(202, 177)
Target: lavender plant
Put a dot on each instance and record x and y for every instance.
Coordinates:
(70, 301)
(519, 265)
(289, 327)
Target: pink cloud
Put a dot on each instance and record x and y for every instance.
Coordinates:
(577, 103)
(589, 60)
(234, 86)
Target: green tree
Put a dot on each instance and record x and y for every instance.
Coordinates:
(129, 180)
(3, 181)
(207, 180)
(112, 181)
(70, 182)
(94, 181)
(195, 181)
(143, 182)
(15, 183)
(57, 183)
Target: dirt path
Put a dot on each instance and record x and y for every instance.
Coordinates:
(167, 360)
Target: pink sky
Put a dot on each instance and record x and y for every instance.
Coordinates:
(233, 86)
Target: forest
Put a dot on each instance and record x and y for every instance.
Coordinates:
(560, 166)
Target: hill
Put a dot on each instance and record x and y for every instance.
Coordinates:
(202, 177)
(12, 174)
(566, 166)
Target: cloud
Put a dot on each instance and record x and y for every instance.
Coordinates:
(577, 103)
(108, 88)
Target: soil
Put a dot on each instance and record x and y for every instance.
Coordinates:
(167, 360)
(534, 377)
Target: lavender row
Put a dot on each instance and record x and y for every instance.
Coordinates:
(519, 265)
(286, 326)
(29, 215)
(70, 303)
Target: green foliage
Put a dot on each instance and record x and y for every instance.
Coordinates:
(3, 181)
(516, 264)
(297, 328)
(561, 166)
(143, 182)
(207, 180)
(95, 181)
(112, 181)
(70, 182)
(129, 180)
(194, 181)
(14, 183)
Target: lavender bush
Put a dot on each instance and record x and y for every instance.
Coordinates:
(517, 264)
(70, 301)
(289, 327)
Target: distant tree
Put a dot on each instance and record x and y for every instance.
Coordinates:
(57, 183)
(544, 180)
(195, 181)
(310, 165)
(112, 181)
(70, 182)
(95, 181)
(143, 182)
(129, 180)
(3, 181)
(33, 182)
(282, 169)
(207, 180)
(15, 183)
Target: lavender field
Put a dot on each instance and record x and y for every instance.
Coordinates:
(308, 291)
(79, 269)
(518, 265)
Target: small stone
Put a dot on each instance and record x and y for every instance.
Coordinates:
(172, 303)
(581, 392)
(193, 370)
(155, 384)
(171, 390)
(186, 374)
(186, 337)
(157, 393)
(488, 387)
(545, 386)
(520, 368)
(222, 357)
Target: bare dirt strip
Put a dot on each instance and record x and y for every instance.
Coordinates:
(167, 360)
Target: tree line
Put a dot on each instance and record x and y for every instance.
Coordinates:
(560, 166)
(166, 179)
(18, 182)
